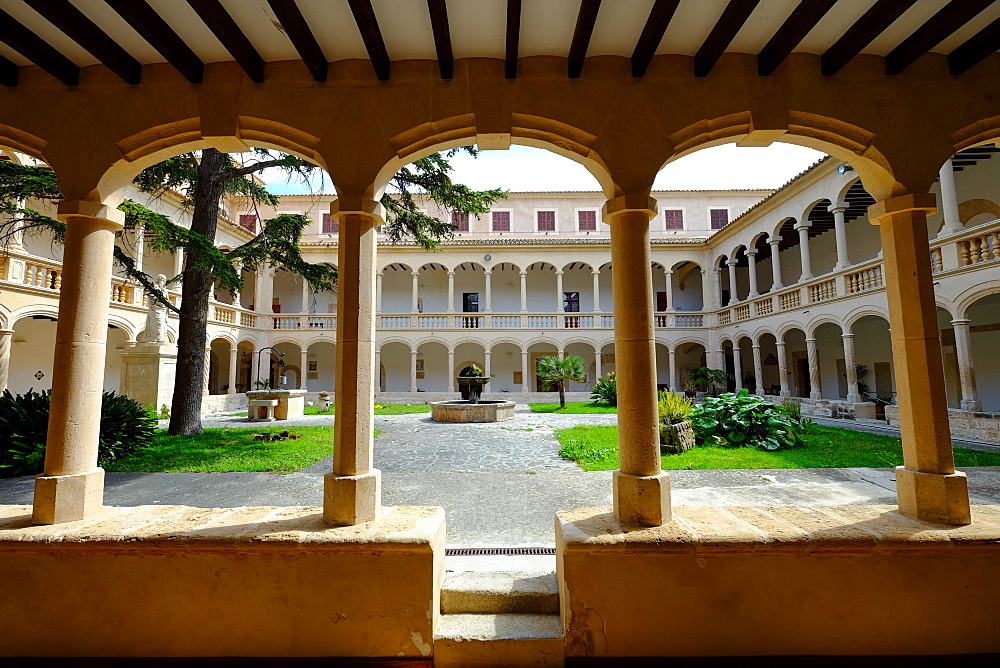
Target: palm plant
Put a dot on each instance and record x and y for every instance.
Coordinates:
(707, 378)
(558, 371)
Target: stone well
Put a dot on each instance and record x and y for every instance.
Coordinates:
(464, 411)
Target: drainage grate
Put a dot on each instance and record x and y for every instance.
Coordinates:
(497, 551)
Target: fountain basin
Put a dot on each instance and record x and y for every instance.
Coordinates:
(464, 411)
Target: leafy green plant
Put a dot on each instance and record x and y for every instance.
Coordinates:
(706, 379)
(606, 390)
(745, 420)
(793, 408)
(559, 371)
(472, 371)
(673, 408)
(126, 428)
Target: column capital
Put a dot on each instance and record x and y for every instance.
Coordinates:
(78, 208)
(414, 353)
(380, 273)
(808, 339)
(802, 225)
(415, 274)
(838, 207)
(487, 273)
(6, 332)
(451, 274)
(847, 336)
(668, 272)
(774, 242)
(732, 263)
(751, 252)
(523, 274)
(595, 272)
(356, 206)
(638, 203)
(926, 202)
(779, 344)
(559, 272)
(755, 346)
(958, 322)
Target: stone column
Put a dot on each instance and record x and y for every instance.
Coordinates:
(489, 292)
(706, 293)
(669, 276)
(783, 370)
(524, 292)
(451, 370)
(5, 338)
(731, 281)
(641, 488)
(178, 261)
(815, 382)
(675, 384)
(352, 491)
(751, 260)
(776, 283)
(206, 371)
(949, 200)
(451, 292)
(487, 367)
(803, 230)
(853, 394)
(525, 382)
(758, 370)
(598, 363)
(378, 370)
(303, 368)
(597, 290)
(559, 292)
(233, 363)
(840, 230)
(715, 294)
(966, 373)
(72, 485)
(415, 292)
(738, 366)
(305, 296)
(413, 371)
(927, 484)
(378, 292)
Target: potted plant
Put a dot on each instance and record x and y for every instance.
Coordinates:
(676, 434)
(324, 401)
(690, 390)
(706, 379)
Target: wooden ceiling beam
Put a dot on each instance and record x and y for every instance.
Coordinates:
(733, 17)
(9, 72)
(442, 37)
(798, 24)
(145, 21)
(87, 34)
(513, 38)
(37, 50)
(872, 24)
(301, 37)
(950, 18)
(978, 47)
(364, 16)
(226, 30)
(585, 22)
(652, 34)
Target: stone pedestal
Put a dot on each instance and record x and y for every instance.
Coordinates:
(148, 371)
(291, 403)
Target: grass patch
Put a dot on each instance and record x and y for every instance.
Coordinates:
(226, 450)
(578, 407)
(596, 449)
(380, 409)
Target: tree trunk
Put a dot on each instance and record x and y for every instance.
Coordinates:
(562, 394)
(192, 335)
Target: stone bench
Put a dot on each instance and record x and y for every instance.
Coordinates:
(262, 410)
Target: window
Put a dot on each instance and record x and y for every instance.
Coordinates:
(330, 226)
(470, 302)
(248, 221)
(673, 219)
(460, 221)
(719, 218)
(546, 221)
(501, 221)
(587, 220)
(571, 302)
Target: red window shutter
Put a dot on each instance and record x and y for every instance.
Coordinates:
(720, 218)
(330, 226)
(501, 221)
(460, 221)
(673, 219)
(546, 221)
(248, 221)
(587, 220)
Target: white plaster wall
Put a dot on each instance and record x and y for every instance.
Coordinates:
(31, 350)
(542, 291)
(830, 346)
(395, 359)
(288, 289)
(871, 345)
(397, 284)
(504, 361)
(506, 284)
(325, 354)
(985, 334)
(433, 290)
(435, 357)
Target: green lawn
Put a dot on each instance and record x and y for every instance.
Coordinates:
(380, 409)
(232, 450)
(596, 449)
(574, 407)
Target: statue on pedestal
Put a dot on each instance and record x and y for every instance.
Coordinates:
(156, 316)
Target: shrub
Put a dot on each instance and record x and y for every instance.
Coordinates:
(606, 390)
(673, 408)
(745, 420)
(126, 427)
(706, 379)
(793, 408)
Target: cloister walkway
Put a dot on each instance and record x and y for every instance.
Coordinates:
(500, 484)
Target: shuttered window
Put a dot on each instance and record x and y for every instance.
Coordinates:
(673, 219)
(460, 221)
(719, 218)
(248, 221)
(501, 221)
(587, 220)
(546, 221)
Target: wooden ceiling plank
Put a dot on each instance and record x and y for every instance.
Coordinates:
(152, 28)
(950, 18)
(798, 24)
(442, 37)
(978, 47)
(301, 37)
(872, 24)
(37, 50)
(733, 17)
(87, 34)
(585, 22)
(652, 34)
(9, 72)
(227, 31)
(513, 38)
(364, 16)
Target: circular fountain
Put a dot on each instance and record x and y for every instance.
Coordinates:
(474, 409)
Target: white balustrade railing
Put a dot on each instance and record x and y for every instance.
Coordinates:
(764, 307)
(506, 322)
(395, 322)
(607, 322)
(742, 312)
(226, 315)
(322, 322)
(542, 322)
(248, 320)
(687, 320)
(578, 322)
(866, 279)
(470, 321)
(984, 247)
(432, 322)
(822, 291)
(286, 322)
(725, 317)
(789, 300)
(41, 275)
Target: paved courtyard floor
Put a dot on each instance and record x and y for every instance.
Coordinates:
(500, 484)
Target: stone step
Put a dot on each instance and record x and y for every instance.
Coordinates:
(499, 640)
(490, 592)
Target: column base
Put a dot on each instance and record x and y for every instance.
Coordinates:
(785, 394)
(352, 499)
(68, 498)
(642, 499)
(971, 405)
(933, 497)
(815, 395)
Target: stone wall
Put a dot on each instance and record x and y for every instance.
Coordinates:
(964, 424)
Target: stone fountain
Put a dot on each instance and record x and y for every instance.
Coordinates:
(474, 409)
